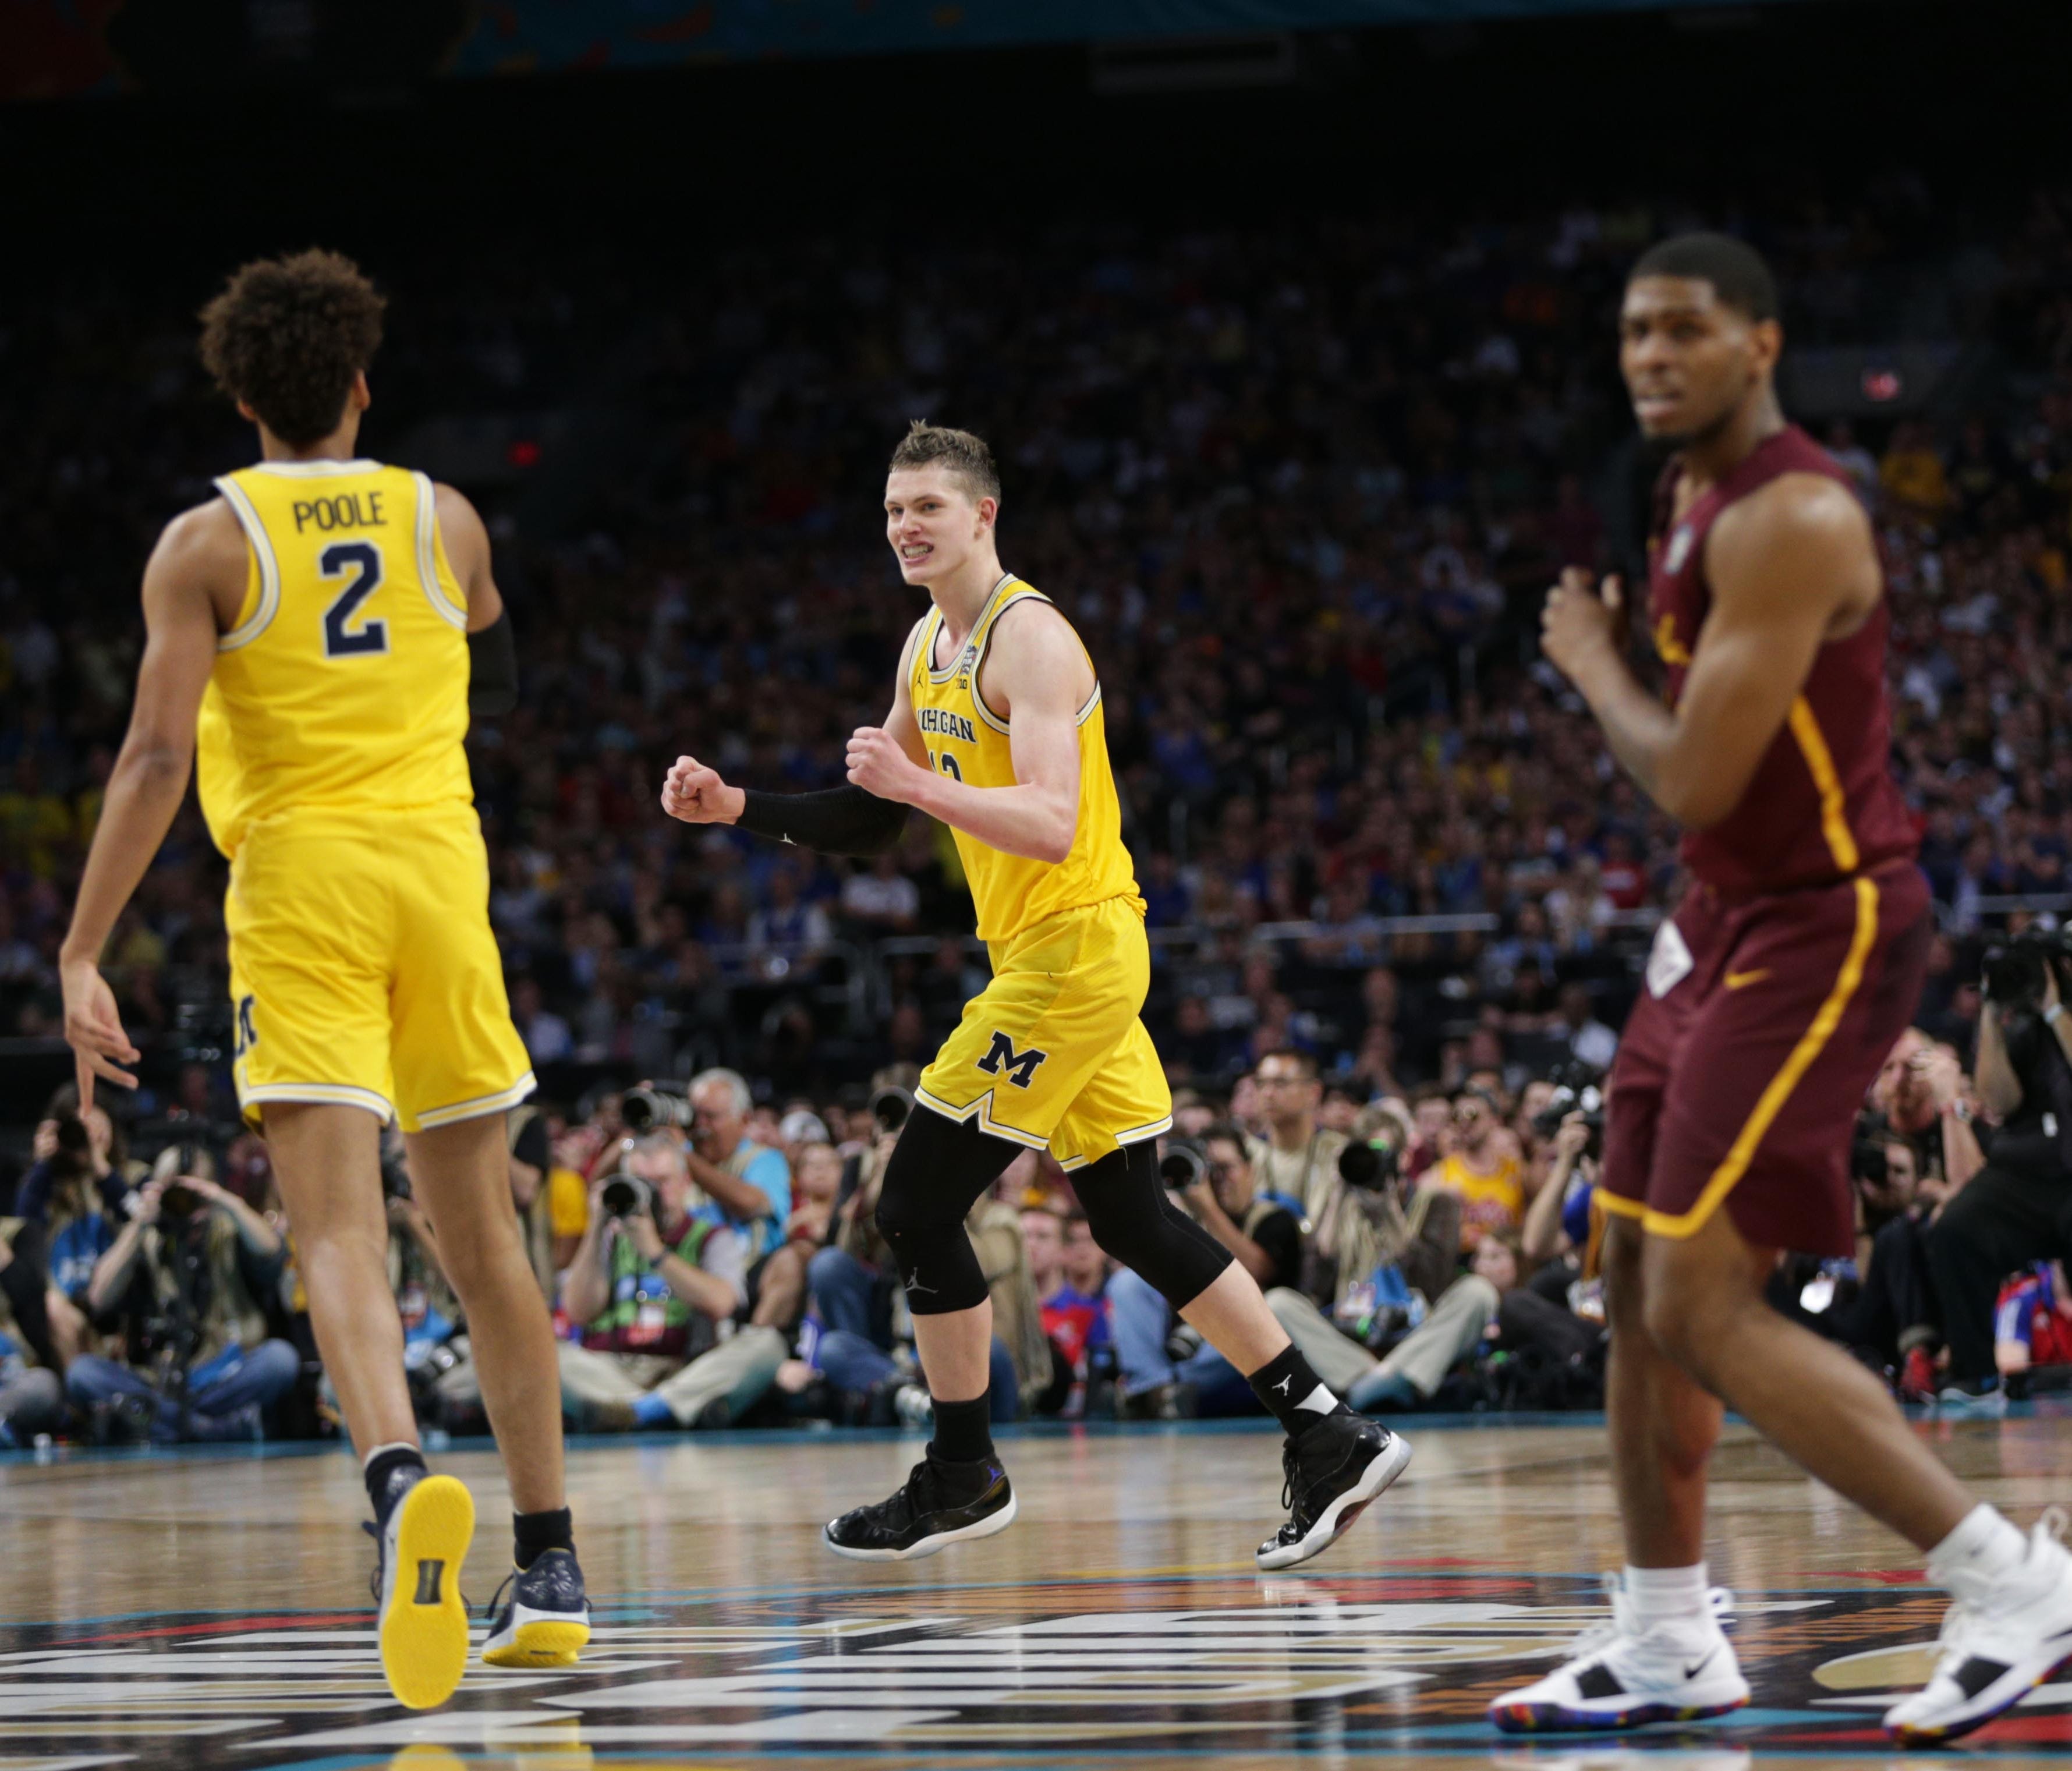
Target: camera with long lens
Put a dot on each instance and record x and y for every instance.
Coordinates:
(656, 1108)
(1367, 1166)
(1183, 1166)
(1578, 1088)
(2015, 971)
(627, 1196)
(891, 1107)
(179, 1202)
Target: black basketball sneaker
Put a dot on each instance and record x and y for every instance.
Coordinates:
(417, 1590)
(1333, 1468)
(939, 1504)
(539, 1617)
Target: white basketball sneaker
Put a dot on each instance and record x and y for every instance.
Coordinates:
(1622, 1675)
(1998, 1650)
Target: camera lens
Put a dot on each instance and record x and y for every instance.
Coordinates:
(625, 1196)
(890, 1106)
(1182, 1167)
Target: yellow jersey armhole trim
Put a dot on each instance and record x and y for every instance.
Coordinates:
(978, 628)
(262, 556)
(431, 555)
(982, 637)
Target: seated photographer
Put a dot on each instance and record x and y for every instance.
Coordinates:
(187, 1277)
(2017, 1208)
(1213, 1183)
(850, 1281)
(100, 1148)
(747, 1186)
(650, 1281)
(853, 1378)
(80, 1209)
(1560, 1307)
(1298, 1157)
(31, 1391)
(2031, 1325)
(1373, 1260)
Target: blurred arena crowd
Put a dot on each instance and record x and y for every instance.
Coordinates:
(1301, 488)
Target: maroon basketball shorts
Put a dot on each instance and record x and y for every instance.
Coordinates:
(1746, 1061)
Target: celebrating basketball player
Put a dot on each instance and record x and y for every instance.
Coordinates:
(997, 729)
(327, 624)
(1790, 968)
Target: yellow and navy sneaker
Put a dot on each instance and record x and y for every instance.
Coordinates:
(546, 1620)
(416, 1591)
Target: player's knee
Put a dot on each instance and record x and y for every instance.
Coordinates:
(1133, 1220)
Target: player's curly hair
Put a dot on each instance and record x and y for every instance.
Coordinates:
(287, 335)
(959, 452)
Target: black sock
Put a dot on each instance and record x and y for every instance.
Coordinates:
(963, 1431)
(384, 1469)
(533, 1534)
(1292, 1391)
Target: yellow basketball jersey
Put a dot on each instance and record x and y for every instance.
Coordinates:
(968, 740)
(344, 686)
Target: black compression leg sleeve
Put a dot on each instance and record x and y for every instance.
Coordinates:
(1133, 1220)
(938, 1168)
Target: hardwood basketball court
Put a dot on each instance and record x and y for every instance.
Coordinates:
(212, 1610)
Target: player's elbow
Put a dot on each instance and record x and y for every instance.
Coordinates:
(1055, 845)
(159, 759)
(1696, 798)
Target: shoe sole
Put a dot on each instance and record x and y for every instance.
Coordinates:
(424, 1645)
(540, 1638)
(1557, 1718)
(1908, 1735)
(1337, 1518)
(988, 1526)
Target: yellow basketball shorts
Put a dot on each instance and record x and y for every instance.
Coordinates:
(1052, 1054)
(363, 971)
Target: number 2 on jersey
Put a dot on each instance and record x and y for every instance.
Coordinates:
(363, 559)
(948, 765)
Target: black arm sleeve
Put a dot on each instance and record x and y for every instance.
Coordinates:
(492, 659)
(22, 1284)
(840, 821)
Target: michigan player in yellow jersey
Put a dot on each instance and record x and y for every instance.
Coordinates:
(319, 632)
(997, 729)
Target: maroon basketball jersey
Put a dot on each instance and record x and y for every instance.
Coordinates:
(1822, 803)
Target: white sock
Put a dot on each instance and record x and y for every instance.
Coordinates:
(401, 1444)
(1977, 1554)
(1674, 1596)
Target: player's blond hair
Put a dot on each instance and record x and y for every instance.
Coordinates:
(957, 452)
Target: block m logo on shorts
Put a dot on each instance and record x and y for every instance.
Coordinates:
(1019, 1065)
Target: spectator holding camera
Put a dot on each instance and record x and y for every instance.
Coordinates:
(650, 1281)
(1375, 1261)
(2017, 1208)
(1214, 1184)
(187, 1277)
(1298, 1157)
(748, 1185)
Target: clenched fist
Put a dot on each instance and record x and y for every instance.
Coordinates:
(877, 765)
(696, 794)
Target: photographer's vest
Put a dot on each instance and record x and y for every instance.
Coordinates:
(643, 1315)
(225, 1314)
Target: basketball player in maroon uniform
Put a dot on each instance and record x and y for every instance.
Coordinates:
(1791, 966)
